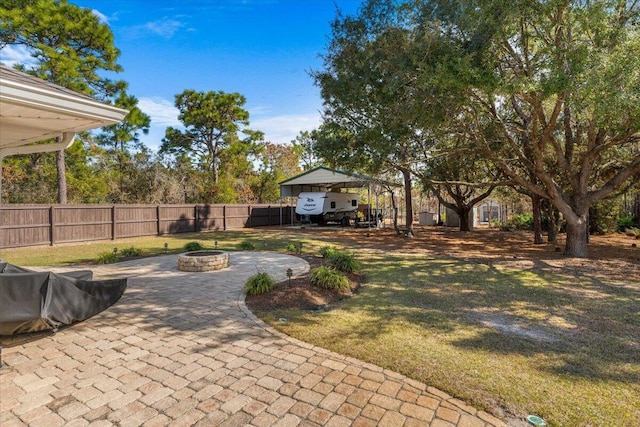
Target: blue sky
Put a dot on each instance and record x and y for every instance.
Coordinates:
(262, 49)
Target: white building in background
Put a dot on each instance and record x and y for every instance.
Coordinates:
(488, 211)
(482, 214)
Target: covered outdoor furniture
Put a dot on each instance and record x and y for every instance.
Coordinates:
(33, 301)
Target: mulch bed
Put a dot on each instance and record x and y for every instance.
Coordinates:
(299, 294)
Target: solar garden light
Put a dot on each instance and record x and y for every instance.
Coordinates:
(166, 247)
(115, 250)
(216, 244)
(289, 274)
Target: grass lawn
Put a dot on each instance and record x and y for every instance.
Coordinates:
(88, 253)
(511, 341)
(563, 344)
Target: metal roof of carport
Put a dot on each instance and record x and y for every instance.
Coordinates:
(33, 110)
(325, 179)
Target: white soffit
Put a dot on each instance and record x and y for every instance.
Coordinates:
(33, 110)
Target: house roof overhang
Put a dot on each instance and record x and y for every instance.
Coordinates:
(34, 111)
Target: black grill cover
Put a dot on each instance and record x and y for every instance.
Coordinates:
(32, 301)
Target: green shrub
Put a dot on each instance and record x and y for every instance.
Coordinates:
(494, 223)
(193, 246)
(247, 246)
(328, 278)
(107, 258)
(327, 251)
(343, 261)
(520, 222)
(127, 252)
(291, 247)
(259, 284)
(625, 223)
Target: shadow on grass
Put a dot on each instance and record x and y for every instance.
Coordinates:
(582, 327)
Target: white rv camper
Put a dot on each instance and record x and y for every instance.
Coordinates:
(326, 207)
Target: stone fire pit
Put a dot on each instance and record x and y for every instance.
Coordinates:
(203, 261)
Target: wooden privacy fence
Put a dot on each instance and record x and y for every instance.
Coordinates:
(30, 225)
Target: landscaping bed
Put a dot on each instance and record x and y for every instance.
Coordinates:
(299, 294)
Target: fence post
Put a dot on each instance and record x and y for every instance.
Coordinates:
(51, 225)
(113, 222)
(158, 229)
(195, 217)
(249, 215)
(224, 217)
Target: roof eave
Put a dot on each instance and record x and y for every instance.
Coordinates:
(20, 94)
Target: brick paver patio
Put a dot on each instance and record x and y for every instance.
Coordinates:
(182, 349)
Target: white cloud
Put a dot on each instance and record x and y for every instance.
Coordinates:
(284, 129)
(162, 112)
(101, 17)
(165, 27)
(12, 55)
(280, 129)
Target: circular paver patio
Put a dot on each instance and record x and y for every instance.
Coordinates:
(181, 348)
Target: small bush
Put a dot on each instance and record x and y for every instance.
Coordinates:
(494, 223)
(259, 284)
(344, 261)
(193, 246)
(520, 222)
(327, 251)
(127, 252)
(107, 258)
(247, 246)
(291, 247)
(328, 278)
(625, 223)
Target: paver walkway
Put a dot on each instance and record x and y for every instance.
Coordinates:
(182, 349)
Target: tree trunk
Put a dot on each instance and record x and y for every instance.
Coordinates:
(537, 219)
(62, 178)
(463, 213)
(406, 174)
(576, 245)
(395, 212)
(554, 223)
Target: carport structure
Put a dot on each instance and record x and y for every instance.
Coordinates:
(321, 179)
(37, 116)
